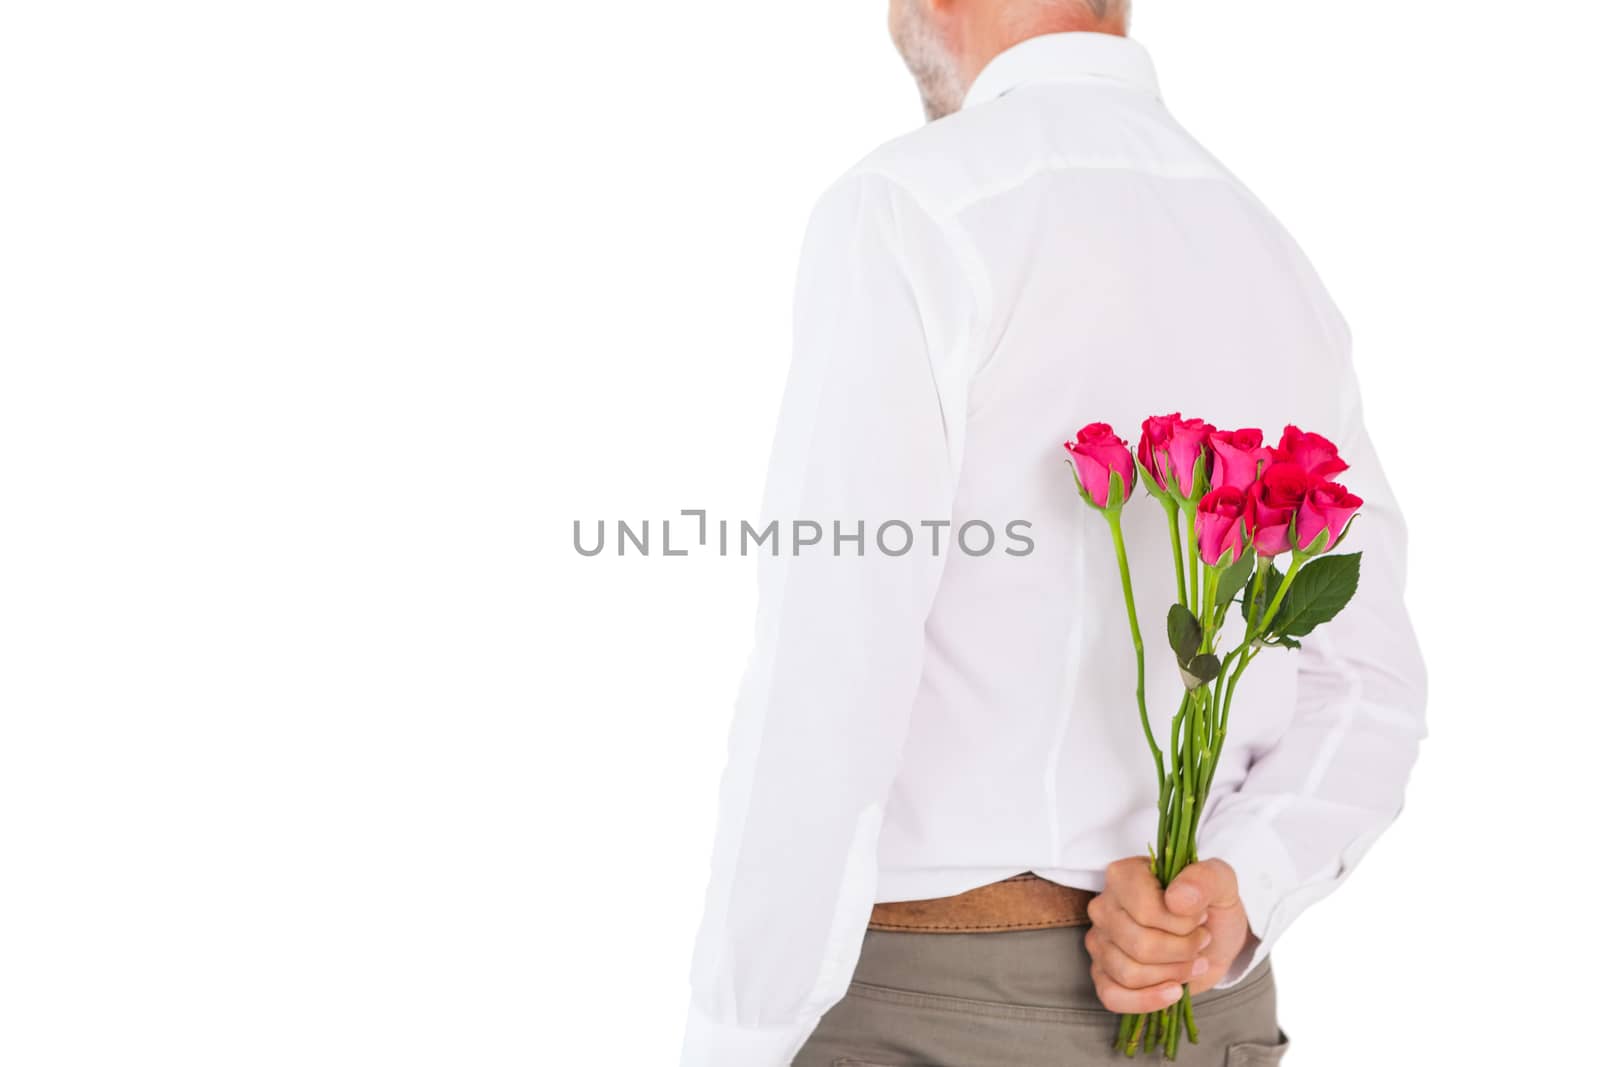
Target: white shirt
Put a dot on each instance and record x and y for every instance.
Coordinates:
(1057, 252)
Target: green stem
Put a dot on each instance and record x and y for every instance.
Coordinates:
(1216, 701)
(1283, 588)
(1260, 577)
(1167, 842)
(1192, 754)
(1138, 1032)
(1114, 517)
(1162, 823)
(1245, 655)
(1194, 555)
(1124, 1029)
(1188, 1017)
(1178, 844)
(1177, 548)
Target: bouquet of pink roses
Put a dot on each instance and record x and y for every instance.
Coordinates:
(1243, 505)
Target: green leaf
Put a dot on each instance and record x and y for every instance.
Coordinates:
(1205, 667)
(1183, 633)
(1322, 589)
(1233, 579)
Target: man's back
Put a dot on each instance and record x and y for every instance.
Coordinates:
(916, 724)
(1117, 271)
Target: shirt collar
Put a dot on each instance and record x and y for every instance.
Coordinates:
(1066, 57)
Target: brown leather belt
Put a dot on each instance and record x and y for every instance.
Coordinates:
(1022, 902)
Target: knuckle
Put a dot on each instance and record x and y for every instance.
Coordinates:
(1134, 939)
(1131, 974)
(1145, 945)
(1172, 922)
(1104, 988)
(1124, 869)
(1153, 999)
(1224, 873)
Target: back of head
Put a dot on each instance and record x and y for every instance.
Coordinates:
(946, 43)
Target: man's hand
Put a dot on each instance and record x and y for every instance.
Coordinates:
(1146, 943)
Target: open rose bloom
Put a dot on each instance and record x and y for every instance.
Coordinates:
(1245, 505)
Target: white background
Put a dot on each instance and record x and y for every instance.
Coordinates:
(322, 321)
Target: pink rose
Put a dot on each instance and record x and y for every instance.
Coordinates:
(1238, 457)
(1187, 446)
(1219, 525)
(1328, 506)
(1271, 504)
(1154, 437)
(1097, 453)
(1169, 447)
(1315, 453)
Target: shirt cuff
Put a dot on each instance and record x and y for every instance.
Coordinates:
(1266, 874)
(710, 1043)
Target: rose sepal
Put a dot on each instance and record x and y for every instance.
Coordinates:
(1348, 524)
(1116, 493)
(1319, 545)
(1199, 483)
(1077, 481)
(1153, 487)
(1115, 490)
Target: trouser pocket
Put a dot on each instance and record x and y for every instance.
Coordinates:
(1254, 1054)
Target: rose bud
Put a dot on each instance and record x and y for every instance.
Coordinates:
(1272, 503)
(1169, 448)
(1187, 447)
(1219, 526)
(1238, 455)
(1096, 455)
(1329, 507)
(1316, 454)
(1154, 439)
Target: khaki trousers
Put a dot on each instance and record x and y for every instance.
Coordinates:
(1016, 998)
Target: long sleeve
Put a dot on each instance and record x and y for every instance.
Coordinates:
(868, 434)
(1312, 804)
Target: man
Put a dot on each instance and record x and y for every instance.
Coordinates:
(938, 797)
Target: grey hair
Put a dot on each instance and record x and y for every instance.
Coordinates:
(1107, 8)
